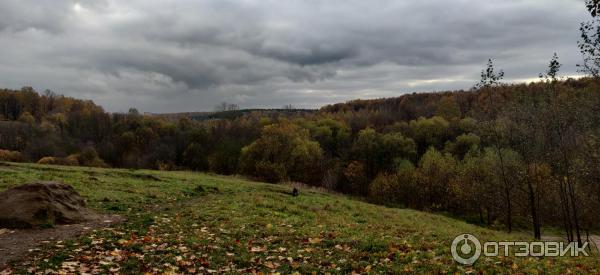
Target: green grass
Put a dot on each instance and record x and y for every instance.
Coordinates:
(191, 222)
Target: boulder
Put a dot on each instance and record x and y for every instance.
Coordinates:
(41, 204)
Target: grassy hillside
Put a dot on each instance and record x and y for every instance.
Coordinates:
(189, 222)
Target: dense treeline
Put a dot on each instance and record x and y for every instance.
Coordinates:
(502, 154)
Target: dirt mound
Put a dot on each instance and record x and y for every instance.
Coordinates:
(41, 204)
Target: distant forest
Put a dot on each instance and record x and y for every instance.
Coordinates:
(519, 155)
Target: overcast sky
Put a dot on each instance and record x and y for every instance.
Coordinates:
(183, 55)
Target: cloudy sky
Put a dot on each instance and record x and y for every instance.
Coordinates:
(184, 55)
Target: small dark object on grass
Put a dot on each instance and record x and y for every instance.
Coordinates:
(295, 192)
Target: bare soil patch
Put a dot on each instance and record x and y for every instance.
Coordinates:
(36, 213)
(16, 244)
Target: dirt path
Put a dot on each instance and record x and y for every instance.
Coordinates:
(594, 240)
(16, 244)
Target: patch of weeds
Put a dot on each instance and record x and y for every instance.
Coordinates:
(201, 191)
(372, 245)
(55, 260)
(116, 207)
(131, 266)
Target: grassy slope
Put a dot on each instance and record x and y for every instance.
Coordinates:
(183, 221)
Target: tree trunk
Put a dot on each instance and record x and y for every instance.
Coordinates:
(480, 215)
(534, 215)
(508, 210)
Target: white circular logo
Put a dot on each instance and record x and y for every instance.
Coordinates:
(466, 249)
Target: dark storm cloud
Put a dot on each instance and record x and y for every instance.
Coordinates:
(189, 55)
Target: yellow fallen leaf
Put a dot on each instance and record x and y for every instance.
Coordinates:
(271, 265)
(314, 240)
(258, 249)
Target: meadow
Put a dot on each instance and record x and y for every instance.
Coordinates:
(187, 222)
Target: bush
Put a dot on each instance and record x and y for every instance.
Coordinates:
(72, 160)
(88, 157)
(384, 189)
(97, 162)
(50, 161)
(12, 156)
(270, 172)
(68, 161)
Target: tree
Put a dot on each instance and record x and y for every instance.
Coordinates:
(526, 121)
(356, 175)
(463, 144)
(448, 108)
(489, 80)
(27, 118)
(428, 132)
(367, 149)
(225, 157)
(553, 68)
(333, 136)
(224, 107)
(479, 192)
(489, 76)
(566, 133)
(395, 148)
(589, 45)
(408, 191)
(593, 6)
(436, 171)
(384, 189)
(284, 151)
(506, 167)
(195, 157)
(537, 178)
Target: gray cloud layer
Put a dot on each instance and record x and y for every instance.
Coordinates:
(170, 56)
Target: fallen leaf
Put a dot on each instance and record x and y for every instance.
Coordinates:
(314, 240)
(258, 249)
(271, 265)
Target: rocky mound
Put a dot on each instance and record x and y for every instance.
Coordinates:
(41, 204)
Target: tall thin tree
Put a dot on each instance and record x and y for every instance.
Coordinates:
(490, 79)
